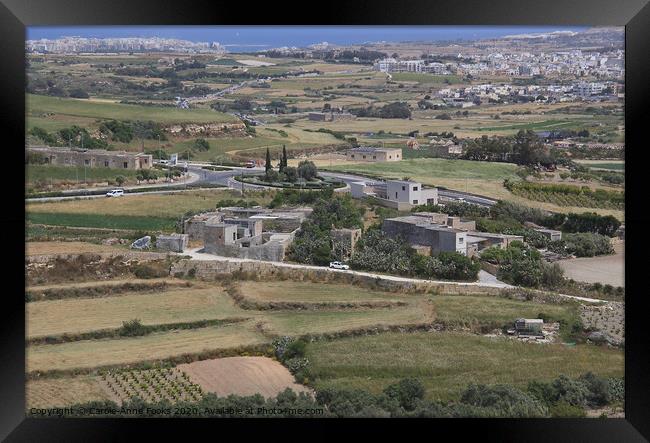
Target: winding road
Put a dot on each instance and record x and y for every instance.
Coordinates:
(226, 178)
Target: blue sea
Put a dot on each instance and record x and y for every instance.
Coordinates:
(256, 38)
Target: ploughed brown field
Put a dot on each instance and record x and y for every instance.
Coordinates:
(242, 376)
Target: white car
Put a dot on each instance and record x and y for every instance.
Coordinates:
(461, 200)
(115, 193)
(338, 265)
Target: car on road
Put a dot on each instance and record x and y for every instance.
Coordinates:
(461, 200)
(250, 164)
(338, 265)
(115, 193)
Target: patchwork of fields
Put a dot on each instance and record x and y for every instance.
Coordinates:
(369, 362)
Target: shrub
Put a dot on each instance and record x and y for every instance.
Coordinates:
(565, 410)
(201, 144)
(407, 392)
(583, 245)
(307, 170)
(132, 328)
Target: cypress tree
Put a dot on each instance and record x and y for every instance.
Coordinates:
(283, 160)
(268, 161)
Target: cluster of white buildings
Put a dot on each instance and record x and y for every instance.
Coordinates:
(389, 65)
(129, 44)
(505, 92)
(520, 64)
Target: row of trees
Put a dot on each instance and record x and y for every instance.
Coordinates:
(562, 397)
(524, 148)
(306, 169)
(391, 110)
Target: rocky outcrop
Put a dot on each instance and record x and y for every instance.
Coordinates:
(207, 129)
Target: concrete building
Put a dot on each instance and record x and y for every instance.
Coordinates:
(254, 233)
(93, 158)
(399, 194)
(413, 193)
(432, 232)
(426, 235)
(368, 154)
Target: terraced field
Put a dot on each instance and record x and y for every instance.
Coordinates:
(447, 362)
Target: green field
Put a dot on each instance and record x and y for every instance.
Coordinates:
(433, 168)
(537, 126)
(90, 220)
(447, 362)
(73, 108)
(608, 165)
(467, 311)
(425, 78)
(166, 206)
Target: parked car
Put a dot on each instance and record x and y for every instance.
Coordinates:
(250, 164)
(115, 193)
(461, 200)
(338, 265)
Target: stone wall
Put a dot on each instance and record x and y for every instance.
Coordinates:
(193, 129)
(173, 242)
(216, 269)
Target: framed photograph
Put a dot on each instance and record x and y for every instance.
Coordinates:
(382, 211)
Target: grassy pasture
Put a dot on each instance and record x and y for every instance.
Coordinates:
(94, 353)
(426, 78)
(68, 173)
(290, 291)
(317, 322)
(153, 205)
(172, 306)
(89, 220)
(468, 310)
(447, 362)
(39, 104)
(434, 168)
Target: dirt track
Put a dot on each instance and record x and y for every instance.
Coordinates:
(606, 269)
(242, 376)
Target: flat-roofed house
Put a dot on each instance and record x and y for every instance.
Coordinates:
(369, 154)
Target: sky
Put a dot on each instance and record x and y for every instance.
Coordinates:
(254, 38)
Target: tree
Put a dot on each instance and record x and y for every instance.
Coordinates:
(290, 173)
(201, 144)
(283, 159)
(120, 180)
(267, 166)
(307, 170)
(78, 93)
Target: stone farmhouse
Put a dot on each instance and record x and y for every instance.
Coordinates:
(368, 154)
(93, 158)
(253, 233)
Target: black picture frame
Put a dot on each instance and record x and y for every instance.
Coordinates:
(15, 15)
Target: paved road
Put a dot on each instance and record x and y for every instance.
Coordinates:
(485, 279)
(226, 178)
(194, 177)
